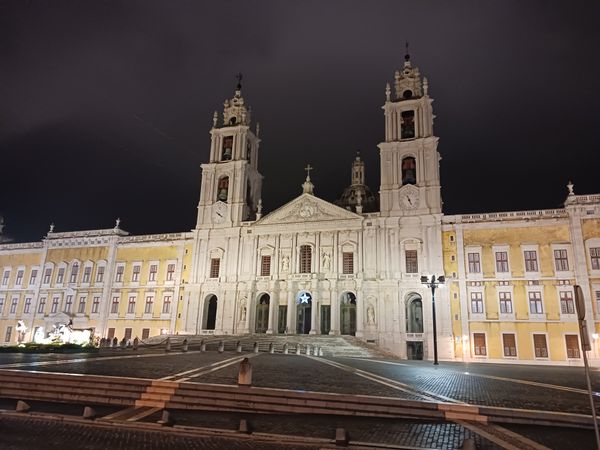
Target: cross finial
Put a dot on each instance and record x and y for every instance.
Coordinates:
(238, 77)
(308, 168)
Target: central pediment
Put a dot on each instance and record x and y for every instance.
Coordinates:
(307, 208)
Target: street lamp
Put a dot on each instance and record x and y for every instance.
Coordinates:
(433, 284)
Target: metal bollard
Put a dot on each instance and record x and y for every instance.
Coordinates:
(255, 348)
(285, 348)
(245, 373)
(22, 406)
(221, 346)
(238, 347)
(185, 345)
(136, 343)
(271, 348)
(168, 345)
(202, 346)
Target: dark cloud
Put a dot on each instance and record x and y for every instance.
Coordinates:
(106, 105)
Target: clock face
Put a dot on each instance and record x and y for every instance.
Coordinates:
(409, 200)
(219, 212)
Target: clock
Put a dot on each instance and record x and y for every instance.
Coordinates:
(409, 199)
(219, 212)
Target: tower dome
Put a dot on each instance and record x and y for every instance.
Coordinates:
(358, 196)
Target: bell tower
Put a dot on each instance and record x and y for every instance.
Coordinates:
(231, 184)
(410, 176)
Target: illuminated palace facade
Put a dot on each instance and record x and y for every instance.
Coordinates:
(352, 267)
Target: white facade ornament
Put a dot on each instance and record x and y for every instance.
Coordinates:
(326, 260)
(117, 223)
(388, 92)
(307, 186)
(425, 86)
(51, 228)
(570, 187)
(259, 209)
(215, 119)
(285, 264)
(243, 310)
(370, 315)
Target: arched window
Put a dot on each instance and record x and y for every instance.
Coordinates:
(223, 189)
(414, 314)
(227, 148)
(407, 126)
(409, 170)
(305, 259)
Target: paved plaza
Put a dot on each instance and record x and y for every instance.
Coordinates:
(509, 386)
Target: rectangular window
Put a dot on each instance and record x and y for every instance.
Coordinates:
(60, 276)
(100, 274)
(33, 277)
(474, 263)
(8, 334)
(265, 265)
(149, 305)
(54, 307)
(68, 303)
(131, 306)
(81, 308)
(1, 304)
(19, 279)
(47, 275)
(412, 264)
(111, 333)
(348, 263)
(114, 307)
(567, 305)
(41, 306)
(535, 303)
(215, 265)
(135, 276)
(479, 344)
(13, 305)
(561, 261)
(170, 272)
(127, 334)
(166, 309)
(119, 274)
(531, 263)
(74, 272)
(572, 341)
(501, 261)
(509, 344)
(597, 293)
(595, 257)
(5, 278)
(145, 333)
(505, 303)
(540, 346)
(87, 273)
(305, 259)
(96, 305)
(476, 302)
(27, 307)
(152, 273)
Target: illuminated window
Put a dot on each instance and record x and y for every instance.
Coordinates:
(215, 265)
(479, 346)
(152, 273)
(572, 341)
(27, 307)
(509, 344)
(119, 274)
(476, 302)
(68, 303)
(95, 305)
(531, 263)
(560, 260)
(305, 259)
(595, 257)
(47, 275)
(535, 303)
(170, 272)
(74, 272)
(567, 305)
(348, 263)
(87, 273)
(412, 264)
(41, 306)
(149, 305)
(135, 275)
(265, 265)
(114, 307)
(166, 308)
(5, 277)
(501, 261)
(540, 346)
(60, 276)
(19, 279)
(81, 308)
(100, 274)
(131, 306)
(33, 277)
(505, 303)
(474, 262)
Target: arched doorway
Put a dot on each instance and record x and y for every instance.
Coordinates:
(348, 313)
(209, 318)
(303, 312)
(262, 313)
(414, 326)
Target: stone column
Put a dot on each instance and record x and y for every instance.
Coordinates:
(335, 310)
(291, 323)
(361, 305)
(273, 305)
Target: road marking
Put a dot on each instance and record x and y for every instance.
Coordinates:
(394, 384)
(380, 362)
(199, 371)
(492, 432)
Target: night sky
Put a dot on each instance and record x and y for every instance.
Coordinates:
(105, 106)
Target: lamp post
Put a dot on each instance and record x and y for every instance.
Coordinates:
(433, 284)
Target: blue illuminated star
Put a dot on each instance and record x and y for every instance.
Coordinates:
(304, 298)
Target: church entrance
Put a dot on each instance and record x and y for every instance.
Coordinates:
(348, 314)
(414, 350)
(209, 319)
(262, 314)
(303, 312)
(414, 313)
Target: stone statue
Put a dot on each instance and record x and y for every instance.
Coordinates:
(285, 263)
(243, 310)
(326, 260)
(370, 315)
(117, 223)
(52, 227)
